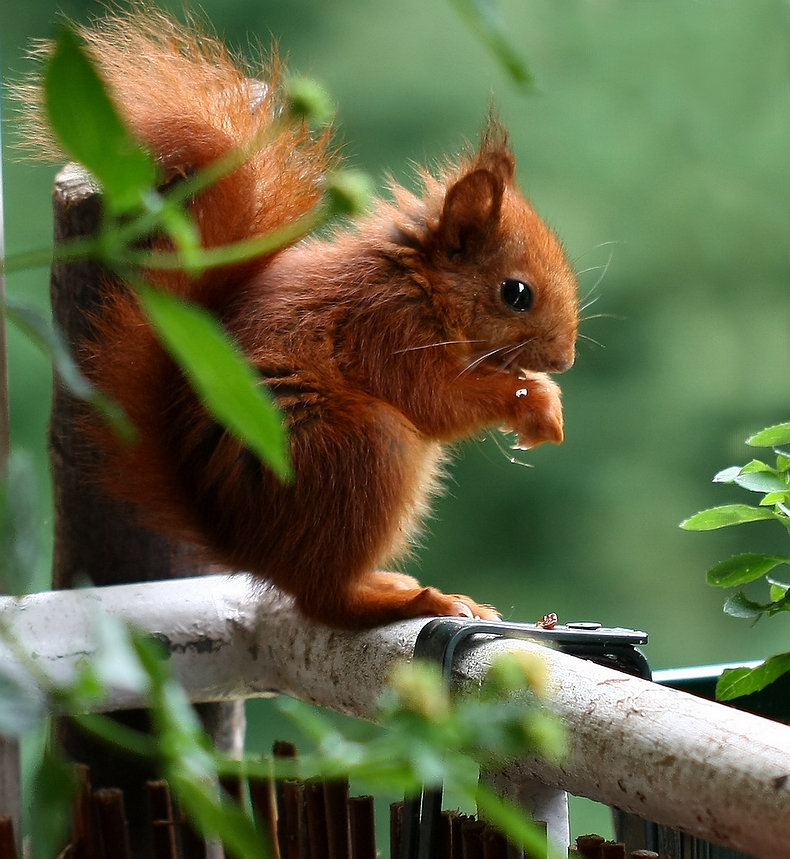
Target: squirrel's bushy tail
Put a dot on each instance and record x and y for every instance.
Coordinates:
(190, 102)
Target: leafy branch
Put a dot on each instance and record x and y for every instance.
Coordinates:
(483, 18)
(772, 482)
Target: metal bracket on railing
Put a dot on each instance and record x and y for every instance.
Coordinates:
(438, 641)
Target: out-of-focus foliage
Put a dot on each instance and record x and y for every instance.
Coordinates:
(655, 141)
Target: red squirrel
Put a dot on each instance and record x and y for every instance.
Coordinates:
(431, 318)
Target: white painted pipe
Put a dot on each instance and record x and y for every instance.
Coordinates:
(712, 771)
(717, 773)
(229, 637)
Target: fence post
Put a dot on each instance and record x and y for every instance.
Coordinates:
(96, 538)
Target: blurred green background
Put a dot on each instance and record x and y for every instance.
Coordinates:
(656, 143)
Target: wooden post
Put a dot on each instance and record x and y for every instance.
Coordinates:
(96, 538)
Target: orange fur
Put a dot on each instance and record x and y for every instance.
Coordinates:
(381, 343)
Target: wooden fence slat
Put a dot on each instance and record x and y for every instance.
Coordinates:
(113, 825)
(362, 827)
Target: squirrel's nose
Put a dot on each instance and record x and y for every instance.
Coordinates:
(561, 363)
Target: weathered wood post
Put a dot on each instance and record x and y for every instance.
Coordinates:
(96, 538)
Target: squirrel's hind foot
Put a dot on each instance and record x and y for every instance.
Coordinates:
(385, 597)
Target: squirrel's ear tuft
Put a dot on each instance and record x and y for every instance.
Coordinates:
(471, 211)
(495, 153)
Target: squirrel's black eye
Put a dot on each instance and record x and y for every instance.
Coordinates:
(517, 294)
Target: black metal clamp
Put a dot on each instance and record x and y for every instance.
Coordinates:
(438, 642)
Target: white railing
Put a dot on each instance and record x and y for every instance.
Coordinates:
(698, 766)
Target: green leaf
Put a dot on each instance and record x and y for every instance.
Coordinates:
(54, 785)
(482, 17)
(777, 591)
(187, 759)
(756, 476)
(756, 465)
(309, 101)
(743, 681)
(762, 481)
(217, 816)
(744, 568)
(222, 377)
(771, 436)
(509, 818)
(89, 128)
(310, 721)
(37, 328)
(727, 475)
(117, 734)
(729, 514)
(178, 223)
(116, 662)
(34, 325)
(739, 605)
(772, 498)
(349, 193)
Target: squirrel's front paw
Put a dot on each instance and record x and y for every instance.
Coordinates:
(539, 409)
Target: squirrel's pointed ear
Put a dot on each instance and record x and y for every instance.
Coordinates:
(471, 211)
